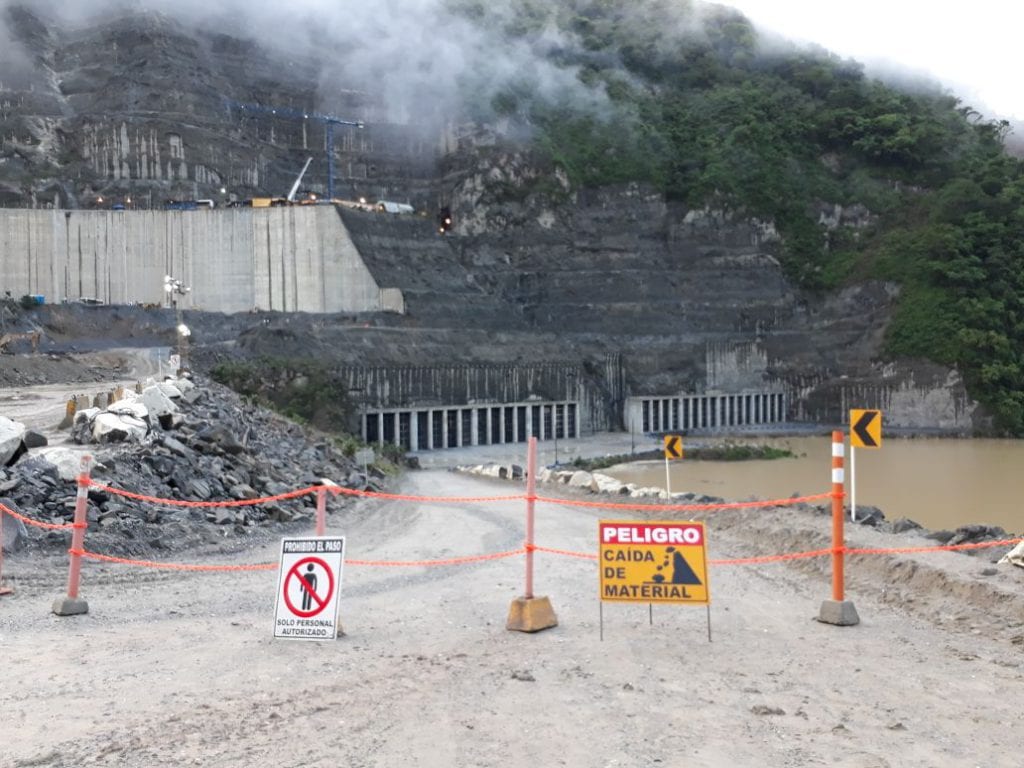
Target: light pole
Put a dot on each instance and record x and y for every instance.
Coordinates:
(183, 334)
(174, 288)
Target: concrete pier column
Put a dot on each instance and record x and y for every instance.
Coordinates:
(414, 431)
(444, 428)
(502, 437)
(430, 429)
(515, 423)
(380, 429)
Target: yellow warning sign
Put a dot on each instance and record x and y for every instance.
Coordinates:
(651, 562)
(865, 428)
(673, 447)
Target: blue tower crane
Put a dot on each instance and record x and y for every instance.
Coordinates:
(329, 122)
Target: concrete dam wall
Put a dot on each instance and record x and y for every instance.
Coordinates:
(289, 259)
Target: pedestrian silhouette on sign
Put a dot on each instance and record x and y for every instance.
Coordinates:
(307, 594)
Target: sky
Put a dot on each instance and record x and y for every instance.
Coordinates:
(971, 48)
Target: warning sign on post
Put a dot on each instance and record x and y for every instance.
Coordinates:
(653, 562)
(308, 588)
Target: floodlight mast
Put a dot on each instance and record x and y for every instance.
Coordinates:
(173, 287)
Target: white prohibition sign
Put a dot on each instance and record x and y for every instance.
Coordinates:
(309, 588)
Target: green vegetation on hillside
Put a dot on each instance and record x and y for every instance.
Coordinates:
(698, 106)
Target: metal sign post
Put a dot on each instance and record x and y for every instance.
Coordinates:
(865, 432)
(651, 562)
(673, 450)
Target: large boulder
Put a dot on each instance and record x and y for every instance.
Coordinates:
(115, 428)
(132, 406)
(14, 533)
(606, 484)
(12, 436)
(68, 463)
(581, 479)
(157, 402)
(1015, 556)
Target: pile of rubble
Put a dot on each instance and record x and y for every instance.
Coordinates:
(172, 440)
(598, 483)
(593, 482)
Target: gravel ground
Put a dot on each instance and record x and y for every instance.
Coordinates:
(178, 668)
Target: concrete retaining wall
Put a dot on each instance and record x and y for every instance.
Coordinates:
(285, 259)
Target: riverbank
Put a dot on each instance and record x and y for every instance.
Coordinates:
(942, 485)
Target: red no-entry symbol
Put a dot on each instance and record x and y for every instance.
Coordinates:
(309, 580)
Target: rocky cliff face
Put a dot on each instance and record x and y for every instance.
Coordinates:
(535, 270)
(139, 106)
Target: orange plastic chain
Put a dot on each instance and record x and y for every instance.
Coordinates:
(35, 523)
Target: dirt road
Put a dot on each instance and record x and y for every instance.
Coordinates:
(176, 669)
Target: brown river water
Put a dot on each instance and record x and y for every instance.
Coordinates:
(939, 483)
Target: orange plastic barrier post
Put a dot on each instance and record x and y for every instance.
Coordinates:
(838, 537)
(321, 511)
(321, 503)
(838, 610)
(531, 505)
(529, 613)
(73, 605)
(3, 590)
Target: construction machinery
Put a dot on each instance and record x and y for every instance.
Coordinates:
(329, 122)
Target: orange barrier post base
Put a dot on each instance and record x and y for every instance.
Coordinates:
(842, 613)
(530, 614)
(70, 606)
(6, 591)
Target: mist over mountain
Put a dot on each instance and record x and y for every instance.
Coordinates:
(688, 102)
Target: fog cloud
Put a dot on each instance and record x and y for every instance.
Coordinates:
(419, 56)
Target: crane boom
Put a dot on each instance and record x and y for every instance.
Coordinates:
(295, 186)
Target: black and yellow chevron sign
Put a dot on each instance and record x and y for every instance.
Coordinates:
(865, 429)
(673, 447)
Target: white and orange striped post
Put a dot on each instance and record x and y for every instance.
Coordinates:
(3, 590)
(838, 610)
(321, 504)
(531, 510)
(529, 613)
(73, 605)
